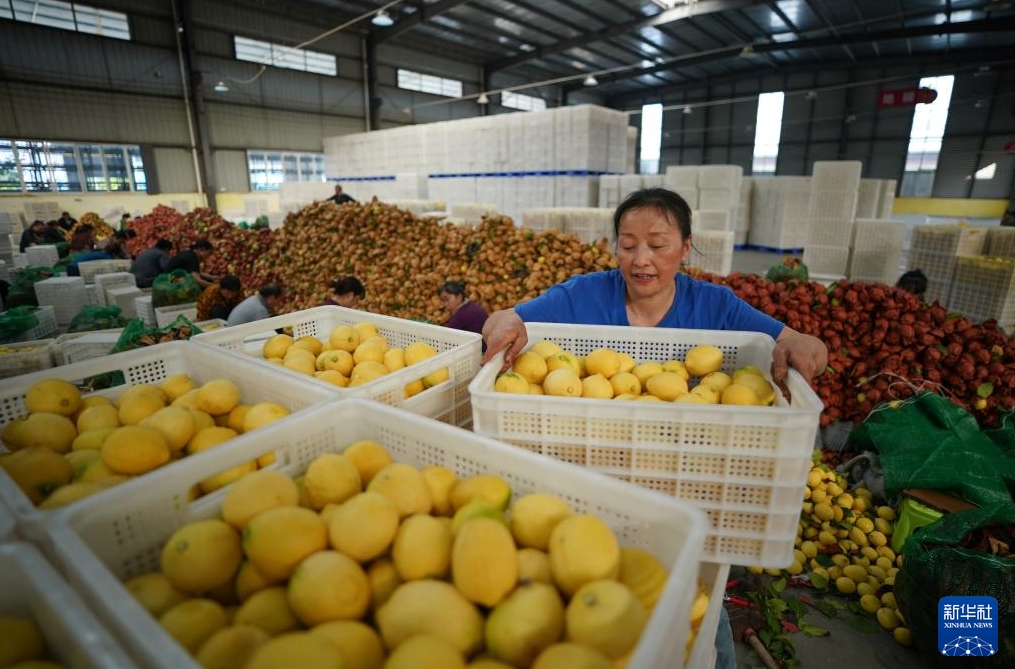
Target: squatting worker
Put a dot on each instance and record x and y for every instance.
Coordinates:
(465, 314)
(345, 292)
(262, 304)
(652, 230)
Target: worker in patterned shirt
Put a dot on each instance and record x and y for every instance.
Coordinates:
(218, 299)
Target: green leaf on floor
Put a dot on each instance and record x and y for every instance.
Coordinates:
(818, 580)
(862, 624)
(798, 608)
(812, 630)
(778, 586)
(827, 607)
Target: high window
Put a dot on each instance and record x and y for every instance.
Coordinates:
(268, 169)
(278, 55)
(67, 16)
(925, 138)
(521, 101)
(651, 138)
(428, 83)
(37, 166)
(767, 132)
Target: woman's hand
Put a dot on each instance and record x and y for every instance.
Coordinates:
(804, 353)
(504, 331)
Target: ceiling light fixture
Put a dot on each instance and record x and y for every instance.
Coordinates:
(812, 95)
(382, 19)
(687, 109)
(482, 99)
(221, 87)
(747, 51)
(590, 81)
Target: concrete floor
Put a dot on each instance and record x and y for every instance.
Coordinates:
(844, 647)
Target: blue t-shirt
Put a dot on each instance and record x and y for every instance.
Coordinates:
(600, 298)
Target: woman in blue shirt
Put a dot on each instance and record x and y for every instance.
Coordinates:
(652, 229)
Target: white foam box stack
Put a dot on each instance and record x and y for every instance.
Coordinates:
(712, 251)
(33, 589)
(683, 180)
(45, 255)
(144, 310)
(886, 203)
(92, 268)
(124, 297)
(868, 202)
(714, 220)
(742, 215)
(99, 546)
(628, 184)
(831, 211)
(877, 250)
(44, 329)
(743, 466)
(933, 250)
(166, 315)
(473, 212)
(779, 212)
(458, 352)
(536, 219)
(837, 175)
(1000, 242)
(609, 190)
(66, 294)
(77, 346)
(984, 288)
(575, 191)
(114, 280)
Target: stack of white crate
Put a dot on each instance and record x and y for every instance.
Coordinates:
(877, 250)
(66, 294)
(473, 212)
(887, 200)
(609, 190)
(933, 249)
(6, 244)
(589, 224)
(683, 180)
(124, 297)
(106, 282)
(1000, 242)
(742, 218)
(144, 310)
(719, 190)
(44, 255)
(630, 183)
(831, 210)
(42, 210)
(420, 207)
(712, 251)
(778, 218)
(984, 288)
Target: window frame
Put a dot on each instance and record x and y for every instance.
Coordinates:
(39, 171)
(420, 82)
(522, 101)
(72, 16)
(250, 50)
(273, 164)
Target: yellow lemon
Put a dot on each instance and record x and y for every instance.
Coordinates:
(46, 430)
(422, 548)
(71, 493)
(93, 471)
(358, 644)
(344, 338)
(142, 389)
(643, 574)
(375, 340)
(331, 478)
(194, 621)
(530, 366)
(235, 418)
(22, 640)
(418, 351)
(249, 581)
(405, 486)
(484, 561)
(430, 607)
(597, 386)
(328, 586)
(268, 609)
(218, 396)
(231, 648)
(136, 408)
(603, 361)
(394, 359)
(369, 457)
(704, 392)
(383, 581)
(703, 359)
(364, 526)
(738, 394)
(176, 425)
(582, 549)
(536, 389)
(646, 370)
(748, 369)
(413, 388)
(511, 382)
(208, 437)
(441, 481)
(310, 344)
(677, 367)
(606, 616)
(154, 592)
(333, 377)
(278, 539)
(187, 400)
(135, 449)
(201, 556)
(202, 420)
(717, 381)
(425, 651)
(365, 330)
(367, 371)
(296, 649)
(257, 492)
(53, 396)
(667, 386)
(300, 360)
(545, 348)
(534, 516)
(92, 418)
(261, 414)
(563, 360)
(625, 383)
(530, 619)
(177, 385)
(534, 565)
(761, 387)
(276, 346)
(564, 382)
(488, 487)
(572, 656)
(335, 360)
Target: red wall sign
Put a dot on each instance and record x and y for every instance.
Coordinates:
(906, 97)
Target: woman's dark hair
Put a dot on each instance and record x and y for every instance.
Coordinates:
(202, 244)
(163, 244)
(271, 290)
(662, 199)
(914, 281)
(452, 288)
(349, 284)
(230, 282)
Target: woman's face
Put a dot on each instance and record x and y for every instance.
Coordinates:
(451, 302)
(349, 300)
(650, 249)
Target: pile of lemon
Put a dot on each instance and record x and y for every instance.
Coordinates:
(546, 369)
(351, 356)
(363, 562)
(843, 544)
(22, 644)
(70, 446)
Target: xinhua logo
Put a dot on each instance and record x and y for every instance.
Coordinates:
(967, 626)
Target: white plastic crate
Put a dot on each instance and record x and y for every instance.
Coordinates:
(166, 315)
(33, 589)
(99, 544)
(984, 288)
(45, 255)
(718, 198)
(144, 310)
(77, 346)
(712, 251)
(25, 357)
(714, 577)
(712, 220)
(459, 351)
(874, 265)
(114, 280)
(837, 174)
(152, 364)
(829, 232)
(951, 240)
(89, 269)
(878, 234)
(744, 466)
(1000, 242)
(123, 297)
(832, 204)
(66, 294)
(720, 176)
(7, 524)
(44, 329)
(828, 260)
(211, 324)
(95, 295)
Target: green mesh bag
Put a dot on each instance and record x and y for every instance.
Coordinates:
(936, 565)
